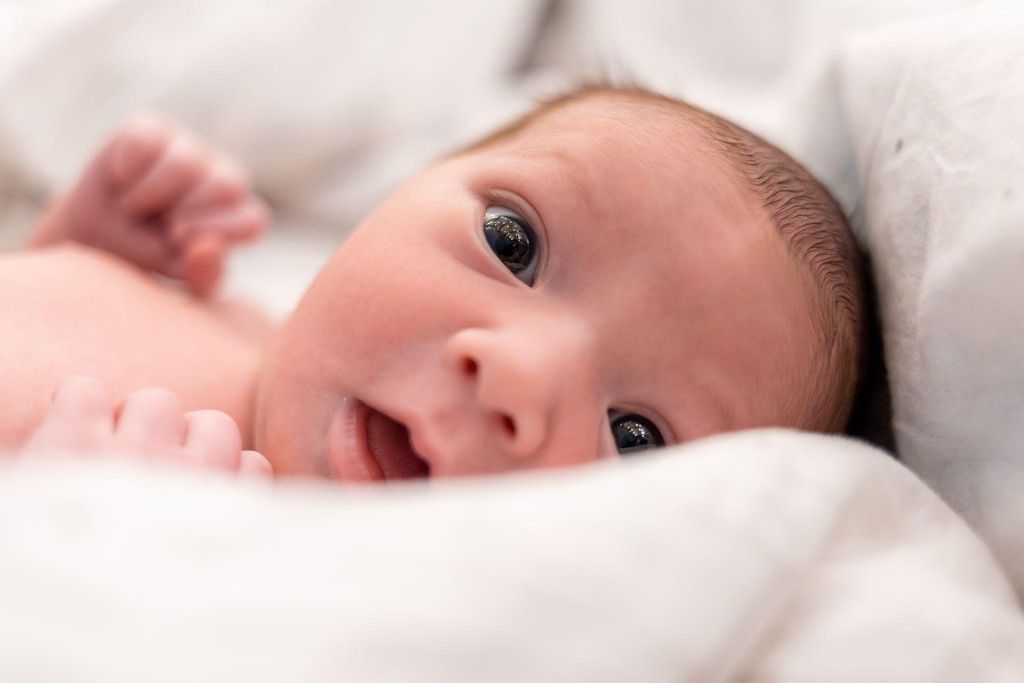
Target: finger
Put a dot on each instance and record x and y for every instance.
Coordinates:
(81, 416)
(173, 176)
(238, 223)
(83, 396)
(150, 419)
(213, 440)
(254, 464)
(224, 185)
(203, 265)
(135, 148)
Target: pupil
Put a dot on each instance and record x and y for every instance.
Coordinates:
(509, 240)
(634, 434)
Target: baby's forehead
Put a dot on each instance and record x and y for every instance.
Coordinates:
(616, 124)
(638, 160)
(614, 119)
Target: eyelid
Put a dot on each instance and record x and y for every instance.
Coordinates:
(517, 203)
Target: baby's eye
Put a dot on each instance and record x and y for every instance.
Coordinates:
(512, 240)
(634, 433)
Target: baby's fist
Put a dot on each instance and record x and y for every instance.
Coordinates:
(148, 423)
(160, 197)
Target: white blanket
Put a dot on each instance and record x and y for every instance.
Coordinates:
(763, 556)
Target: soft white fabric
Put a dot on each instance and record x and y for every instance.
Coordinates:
(327, 103)
(936, 110)
(763, 556)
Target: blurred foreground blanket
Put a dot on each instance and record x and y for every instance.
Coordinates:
(766, 555)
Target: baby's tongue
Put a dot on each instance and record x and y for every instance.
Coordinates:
(389, 443)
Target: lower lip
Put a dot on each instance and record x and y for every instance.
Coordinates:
(347, 446)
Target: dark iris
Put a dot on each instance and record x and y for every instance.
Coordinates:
(635, 433)
(510, 239)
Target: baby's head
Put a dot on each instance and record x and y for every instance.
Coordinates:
(614, 271)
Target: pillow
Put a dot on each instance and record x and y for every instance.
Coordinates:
(936, 116)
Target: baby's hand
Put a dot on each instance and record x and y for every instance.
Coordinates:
(149, 422)
(161, 198)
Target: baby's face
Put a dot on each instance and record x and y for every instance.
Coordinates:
(585, 288)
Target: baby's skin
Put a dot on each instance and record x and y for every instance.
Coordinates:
(587, 289)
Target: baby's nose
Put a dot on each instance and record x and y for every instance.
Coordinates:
(513, 381)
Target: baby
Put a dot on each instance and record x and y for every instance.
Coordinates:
(613, 272)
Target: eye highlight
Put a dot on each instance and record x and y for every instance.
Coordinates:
(512, 240)
(633, 433)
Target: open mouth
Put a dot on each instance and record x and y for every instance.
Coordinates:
(364, 444)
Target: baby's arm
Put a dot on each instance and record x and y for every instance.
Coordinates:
(84, 420)
(159, 197)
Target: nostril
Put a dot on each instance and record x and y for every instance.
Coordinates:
(469, 367)
(509, 425)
